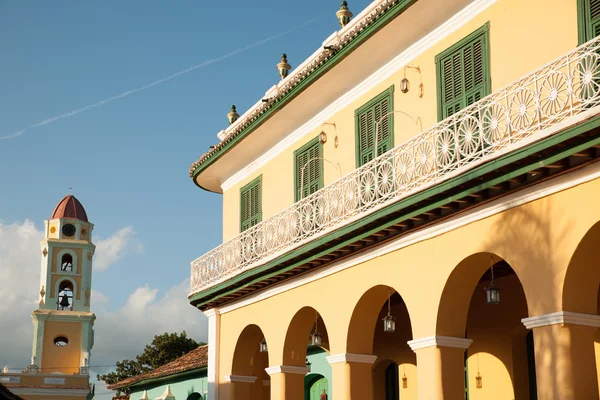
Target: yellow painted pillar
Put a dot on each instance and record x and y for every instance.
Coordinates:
(287, 382)
(241, 385)
(565, 360)
(351, 376)
(440, 367)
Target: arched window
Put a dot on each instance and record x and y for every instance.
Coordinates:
(194, 396)
(66, 263)
(65, 296)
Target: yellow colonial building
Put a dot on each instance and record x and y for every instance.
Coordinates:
(63, 333)
(413, 211)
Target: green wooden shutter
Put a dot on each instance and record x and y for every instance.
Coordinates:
(463, 73)
(589, 19)
(251, 204)
(366, 119)
(308, 169)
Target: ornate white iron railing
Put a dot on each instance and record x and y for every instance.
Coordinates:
(510, 118)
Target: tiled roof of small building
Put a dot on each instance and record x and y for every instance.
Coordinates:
(195, 359)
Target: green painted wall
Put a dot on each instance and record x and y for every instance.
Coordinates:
(319, 365)
(181, 388)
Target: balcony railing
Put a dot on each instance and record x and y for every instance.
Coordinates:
(510, 118)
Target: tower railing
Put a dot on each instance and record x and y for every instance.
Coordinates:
(533, 107)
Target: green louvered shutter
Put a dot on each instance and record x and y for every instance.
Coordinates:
(366, 120)
(251, 204)
(464, 75)
(308, 167)
(589, 19)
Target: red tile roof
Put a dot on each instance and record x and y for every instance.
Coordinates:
(195, 359)
(69, 207)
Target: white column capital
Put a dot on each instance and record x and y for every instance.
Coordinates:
(287, 369)
(351, 358)
(211, 312)
(439, 341)
(240, 378)
(562, 317)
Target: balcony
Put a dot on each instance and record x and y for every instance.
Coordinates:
(560, 94)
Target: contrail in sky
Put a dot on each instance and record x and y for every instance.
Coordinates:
(157, 82)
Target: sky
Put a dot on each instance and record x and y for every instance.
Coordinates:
(117, 99)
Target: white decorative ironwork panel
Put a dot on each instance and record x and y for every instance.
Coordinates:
(510, 118)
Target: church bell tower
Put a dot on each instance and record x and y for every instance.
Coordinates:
(63, 324)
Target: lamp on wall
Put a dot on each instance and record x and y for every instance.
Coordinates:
(323, 135)
(389, 321)
(316, 338)
(263, 346)
(405, 83)
(492, 291)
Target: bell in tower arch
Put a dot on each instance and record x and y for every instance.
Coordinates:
(64, 301)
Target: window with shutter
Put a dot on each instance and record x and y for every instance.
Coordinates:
(251, 204)
(374, 116)
(308, 169)
(588, 12)
(463, 73)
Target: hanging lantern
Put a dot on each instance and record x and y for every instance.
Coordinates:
(404, 382)
(315, 338)
(232, 116)
(263, 346)
(404, 85)
(492, 291)
(478, 381)
(343, 14)
(283, 66)
(389, 321)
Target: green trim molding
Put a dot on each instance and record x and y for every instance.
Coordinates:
(481, 33)
(387, 94)
(258, 274)
(298, 169)
(362, 36)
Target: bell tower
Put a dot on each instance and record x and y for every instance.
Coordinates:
(63, 324)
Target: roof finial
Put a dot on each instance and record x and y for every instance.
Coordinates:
(344, 14)
(70, 189)
(283, 66)
(232, 116)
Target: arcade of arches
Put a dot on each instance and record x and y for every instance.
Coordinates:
(540, 342)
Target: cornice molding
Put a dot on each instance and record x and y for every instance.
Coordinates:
(211, 312)
(562, 317)
(404, 58)
(287, 369)
(351, 358)
(240, 379)
(439, 341)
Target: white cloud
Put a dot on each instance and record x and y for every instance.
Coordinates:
(113, 249)
(118, 335)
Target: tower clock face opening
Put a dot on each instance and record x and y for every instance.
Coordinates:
(61, 341)
(68, 230)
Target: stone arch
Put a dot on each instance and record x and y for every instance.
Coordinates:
(60, 258)
(458, 291)
(365, 318)
(499, 339)
(297, 337)
(582, 278)
(69, 283)
(248, 366)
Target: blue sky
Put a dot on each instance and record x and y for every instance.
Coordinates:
(128, 159)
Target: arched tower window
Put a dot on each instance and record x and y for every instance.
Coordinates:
(66, 263)
(65, 296)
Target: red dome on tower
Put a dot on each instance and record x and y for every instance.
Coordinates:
(70, 207)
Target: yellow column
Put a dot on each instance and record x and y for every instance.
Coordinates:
(440, 367)
(565, 360)
(241, 385)
(351, 376)
(287, 382)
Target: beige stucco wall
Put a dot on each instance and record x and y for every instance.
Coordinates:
(436, 279)
(524, 35)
